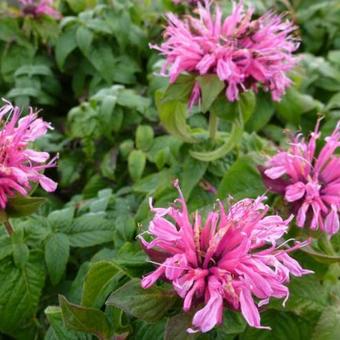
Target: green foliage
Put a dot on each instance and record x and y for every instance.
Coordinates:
(124, 134)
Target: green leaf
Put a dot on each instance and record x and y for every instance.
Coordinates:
(66, 43)
(57, 252)
(284, 326)
(247, 104)
(61, 219)
(57, 330)
(146, 304)
(173, 116)
(308, 296)
(136, 164)
(241, 180)
(33, 70)
(20, 291)
(176, 327)
(192, 173)
(6, 247)
(101, 57)
(20, 206)
(85, 319)
(263, 111)
(233, 323)
(180, 90)
(328, 326)
(89, 230)
(211, 87)
(233, 140)
(100, 280)
(294, 104)
(84, 39)
(144, 137)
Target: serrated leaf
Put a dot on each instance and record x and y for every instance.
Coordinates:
(211, 87)
(57, 252)
(61, 219)
(100, 280)
(20, 292)
(89, 230)
(85, 319)
(146, 304)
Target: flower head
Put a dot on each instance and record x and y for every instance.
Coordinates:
(242, 52)
(19, 164)
(39, 7)
(229, 259)
(309, 180)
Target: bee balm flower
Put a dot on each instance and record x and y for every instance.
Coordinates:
(40, 7)
(309, 180)
(227, 260)
(242, 52)
(19, 164)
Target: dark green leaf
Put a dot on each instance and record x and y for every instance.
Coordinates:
(211, 87)
(57, 252)
(136, 164)
(85, 319)
(100, 280)
(20, 206)
(241, 180)
(147, 304)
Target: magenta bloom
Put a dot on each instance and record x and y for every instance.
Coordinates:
(309, 181)
(242, 52)
(19, 164)
(192, 2)
(39, 7)
(228, 260)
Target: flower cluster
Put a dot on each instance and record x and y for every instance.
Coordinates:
(309, 180)
(242, 52)
(38, 8)
(230, 259)
(19, 164)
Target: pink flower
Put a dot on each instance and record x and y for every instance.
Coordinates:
(226, 261)
(242, 52)
(192, 2)
(39, 8)
(19, 164)
(309, 180)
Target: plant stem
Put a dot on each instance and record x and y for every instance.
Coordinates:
(213, 124)
(326, 245)
(9, 228)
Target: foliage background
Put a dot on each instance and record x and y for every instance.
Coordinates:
(95, 78)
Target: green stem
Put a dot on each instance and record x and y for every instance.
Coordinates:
(326, 245)
(213, 124)
(9, 228)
